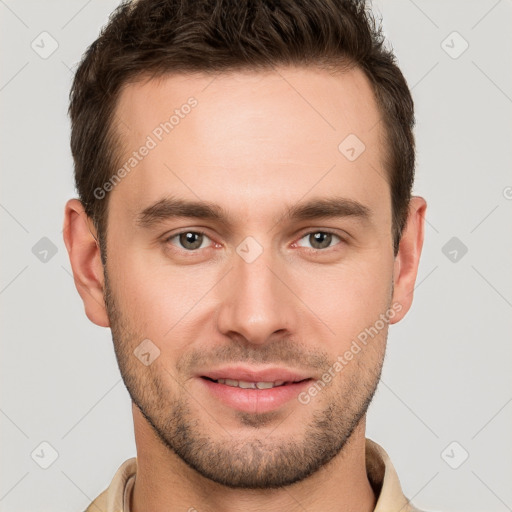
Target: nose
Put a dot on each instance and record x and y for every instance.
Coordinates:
(256, 301)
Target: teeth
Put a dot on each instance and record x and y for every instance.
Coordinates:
(265, 385)
(246, 385)
(250, 385)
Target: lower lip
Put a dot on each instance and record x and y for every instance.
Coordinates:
(255, 400)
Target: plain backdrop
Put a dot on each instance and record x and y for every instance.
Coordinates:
(443, 410)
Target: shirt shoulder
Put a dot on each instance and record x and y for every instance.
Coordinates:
(385, 482)
(112, 498)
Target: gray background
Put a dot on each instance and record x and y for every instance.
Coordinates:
(447, 374)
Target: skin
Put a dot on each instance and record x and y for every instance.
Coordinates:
(256, 143)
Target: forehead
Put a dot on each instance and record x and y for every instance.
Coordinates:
(249, 139)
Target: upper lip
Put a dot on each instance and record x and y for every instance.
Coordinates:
(248, 374)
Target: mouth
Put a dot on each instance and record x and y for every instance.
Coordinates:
(253, 385)
(254, 396)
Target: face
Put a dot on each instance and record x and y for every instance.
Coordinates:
(257, 280)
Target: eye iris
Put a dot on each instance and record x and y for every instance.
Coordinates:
(191, 240)
(323, 239)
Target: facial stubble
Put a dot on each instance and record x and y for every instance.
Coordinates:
(245, 458)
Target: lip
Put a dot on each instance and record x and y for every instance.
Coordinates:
(254, 400)
(249, 374)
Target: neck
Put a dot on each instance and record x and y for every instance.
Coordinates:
(165, 483)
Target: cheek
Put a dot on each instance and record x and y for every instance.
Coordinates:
(160, 297)
(348, 298)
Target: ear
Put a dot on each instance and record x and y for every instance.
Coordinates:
(85, 258)
(408, 257)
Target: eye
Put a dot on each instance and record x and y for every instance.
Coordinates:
(189, 240)
(319, 239)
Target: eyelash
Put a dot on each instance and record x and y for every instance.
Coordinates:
(309, 249)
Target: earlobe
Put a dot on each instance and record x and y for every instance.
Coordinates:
(408, 257)
(85, 258)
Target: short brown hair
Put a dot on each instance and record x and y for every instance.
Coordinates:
(159, 37)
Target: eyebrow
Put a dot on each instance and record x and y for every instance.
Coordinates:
(169, 208)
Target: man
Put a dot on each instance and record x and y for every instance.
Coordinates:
(246, 229)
